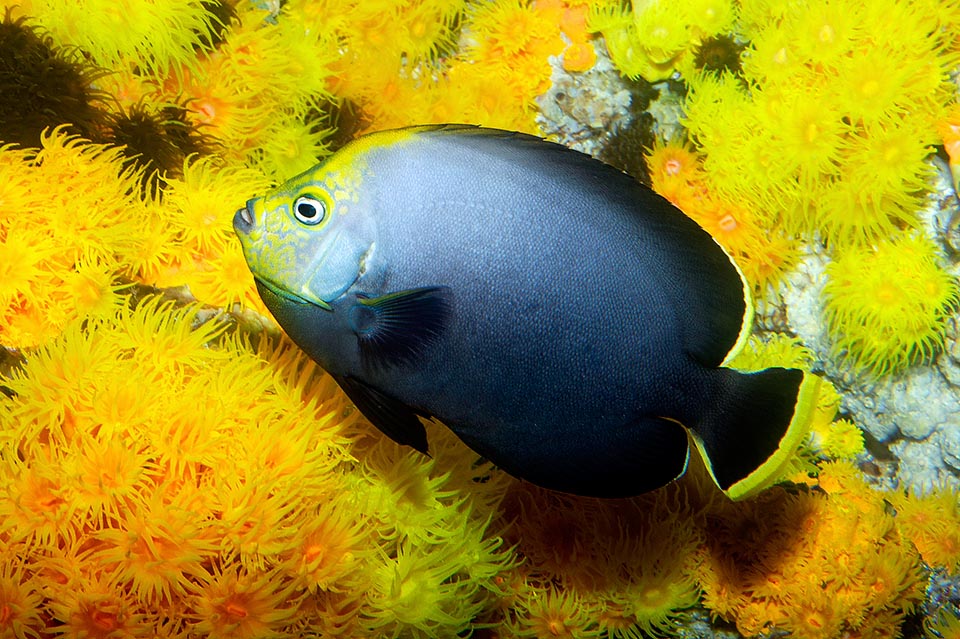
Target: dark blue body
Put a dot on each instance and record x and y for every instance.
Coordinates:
(587, 316)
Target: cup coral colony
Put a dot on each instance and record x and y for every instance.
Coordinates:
(171, 465)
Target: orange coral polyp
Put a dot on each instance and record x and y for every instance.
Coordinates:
(673, 160)
(329, 550)
(579, 56)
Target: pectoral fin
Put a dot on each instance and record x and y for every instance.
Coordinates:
(396, 328)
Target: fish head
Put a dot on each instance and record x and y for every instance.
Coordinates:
(308, 240)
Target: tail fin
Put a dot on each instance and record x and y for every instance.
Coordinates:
(747, 438)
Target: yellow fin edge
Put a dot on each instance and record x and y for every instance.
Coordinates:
(772, 470)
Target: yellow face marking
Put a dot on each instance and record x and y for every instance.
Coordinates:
(288, 253)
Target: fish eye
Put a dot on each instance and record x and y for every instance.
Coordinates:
(309, 210)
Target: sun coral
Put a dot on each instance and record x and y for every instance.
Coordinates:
(945, 625)
(159, 555)
(949, 129)
(638, 580)
(516, 34)
(841, 439)
(230, 494)
(719, 53)
(93, 606)
(510, 41)
(425, 591)
(429, 28)
(932, 523)
(676, 172)
(548, 612)
(62, 267)
(107, 474)
(813, 120)
(155, 37)
(327, 553)
(776, 349)
(43, 85)
(197, 245)
(819, 565)
(19, 600)
(881, 321)
(266, 73)
(492, 80)
(661, 579)
(650, 39)
(157, 140)
(232, 603)
(808, 130)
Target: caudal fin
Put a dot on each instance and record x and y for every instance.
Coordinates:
(747, 437)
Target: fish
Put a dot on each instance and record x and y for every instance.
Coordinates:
(569, 324)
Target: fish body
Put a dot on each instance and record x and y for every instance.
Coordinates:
(564, 321)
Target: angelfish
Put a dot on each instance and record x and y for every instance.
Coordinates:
(566, 322)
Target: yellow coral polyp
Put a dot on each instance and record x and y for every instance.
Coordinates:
(36, 508)
(263, 71)
(873, 81)
(107, 475)
(886, 307)
(420, 592)
(91, 289)
(153, 36)
(672, 160)
(553, 613)
(159, 555)
(90, 605)
(809, 131)
(19, 601)
(663, 28)
(56, 267)
(427, 27)
(932, 523)
(328, 551)
(832, 135)
(23, 252)
(841, 439)
(676, 172)
(818, 564)
(649, 39)
(232, 603)
(826, 31)
(579, 56)
(516, 38)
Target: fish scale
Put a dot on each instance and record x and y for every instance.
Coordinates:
(565, 321)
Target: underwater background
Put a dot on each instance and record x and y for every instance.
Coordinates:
(172, 466)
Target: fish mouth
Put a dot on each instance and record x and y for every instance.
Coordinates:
(289, 296)
(244, 219)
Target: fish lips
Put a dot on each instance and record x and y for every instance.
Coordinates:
(244, 219)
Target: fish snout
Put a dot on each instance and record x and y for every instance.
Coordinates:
(244, 219)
